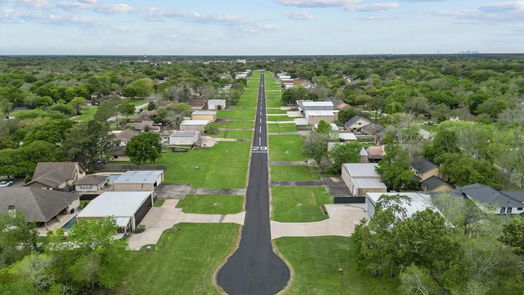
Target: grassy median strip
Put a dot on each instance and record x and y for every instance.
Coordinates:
(299, 203)
(293, 173)
(285, 148)
(211, 204)
(184, 262)
(211, 167)
(316, 262)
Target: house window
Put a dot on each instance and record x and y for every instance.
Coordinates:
(509, 210)
(502, 210)
(519, 209)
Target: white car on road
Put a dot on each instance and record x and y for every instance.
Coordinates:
(5, 183)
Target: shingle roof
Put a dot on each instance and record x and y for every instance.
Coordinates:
(517, 195)
(38, 205)
(422, 165)
(91, 179)
(488, 195)
(354, 119)
(53, 174)
(433, 182)
(125, 135)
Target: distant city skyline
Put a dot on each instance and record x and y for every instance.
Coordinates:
(260, 27)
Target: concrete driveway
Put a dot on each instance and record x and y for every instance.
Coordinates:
(159, 219)
(342, 221)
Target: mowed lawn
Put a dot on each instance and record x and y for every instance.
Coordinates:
(282, 127)
(285, 148)
(276, 111)
(234, 134)
(298, 203)
(278, 118)
(221, 166)
(315, 263)
(235, 124)
(86, 114)
(184, 262)
(293, 173)
(237, 113)
(211, 204)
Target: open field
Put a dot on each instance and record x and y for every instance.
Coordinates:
(184, 262)
(209, 167)
(211, 204)
(298, 203)
(293, 173)
(285, 148)
(316, 261)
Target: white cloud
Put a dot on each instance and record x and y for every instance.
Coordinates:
(9, 16)
(375, 7)
(493, 12)
(300, 15)
(349, 5)
(38, 4)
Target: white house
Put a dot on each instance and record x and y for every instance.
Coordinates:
(362, 178)
(128, 208)
(91, 183)
(313, 117)
(216, 104)
(416, 202)
(347, 136)
(194, 125)
(184, 137)
(306, 105)
(139, 181)
(492, 200)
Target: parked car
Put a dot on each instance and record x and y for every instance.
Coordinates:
(5, 183)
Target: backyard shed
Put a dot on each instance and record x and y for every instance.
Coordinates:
(139, 181)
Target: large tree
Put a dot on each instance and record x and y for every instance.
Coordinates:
(143, 148)
(395, 170)
(18, 238)
(345, 153)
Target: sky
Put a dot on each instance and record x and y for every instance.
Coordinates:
(260, 27)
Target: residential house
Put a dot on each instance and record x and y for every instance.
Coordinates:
(371, 129)
(56, 175)
(414, 203)
(307, 105)
(314, 117)
(435, 184)
(216, 104)
(210, 116)
(362, 178)
(91, 184)
(424, 169)
(184, 138)
(128, 208)
(194, 125)
(363, 155)
(123, 136)
(197, 103)
(38, 205)
(118, 154)
(148, 115)
(144, 126)
(375, 153)
(347, 136)
(356, 123)
(139, 181)
(491, 200)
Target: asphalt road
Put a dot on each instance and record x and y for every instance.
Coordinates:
(254, 268)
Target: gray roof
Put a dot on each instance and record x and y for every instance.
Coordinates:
(517, 195)
(139, 177)
(354, 119)
(38, 205)
(53, 174)
(116, 204)
(92, 179)
(422, 165)
(125, 135)
(361, 169)
(488, 195)
(433, 182)
(184, 133)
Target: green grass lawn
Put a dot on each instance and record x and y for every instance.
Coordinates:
(212, 204)
(221, 166)
(298, 203)
(237, 114)
(234, 134)
(279, 118)
(184, 262)
(158, 203)
(138, 102)
(236, 124)
(282, 127)
(275, 111)
(86, 114)
(429, 128)
(285, 148)
(293, 173)
(273, 91)
(315, 263)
